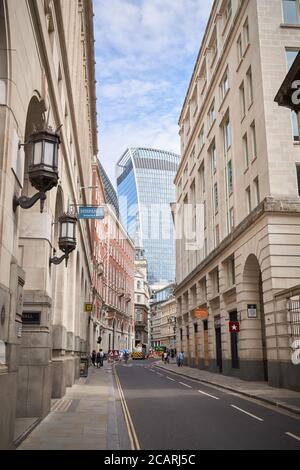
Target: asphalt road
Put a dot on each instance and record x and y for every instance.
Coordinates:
(174, 413)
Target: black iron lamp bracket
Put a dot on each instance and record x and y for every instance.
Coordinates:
(56, 260)
(27, 202)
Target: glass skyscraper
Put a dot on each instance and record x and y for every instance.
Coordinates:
(145, 181)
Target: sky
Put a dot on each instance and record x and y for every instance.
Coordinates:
(145, 56)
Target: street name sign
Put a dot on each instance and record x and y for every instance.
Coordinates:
(91, 212)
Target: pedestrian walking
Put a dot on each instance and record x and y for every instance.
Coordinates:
(126, 355)
(180, 359)
(98, 359)
(93, 358)
(165, 357)
(121, 354)
(101, 357)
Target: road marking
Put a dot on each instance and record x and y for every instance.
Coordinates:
(158, 373)
(173, 380)
(208, 395)
(188, 386)
(135, 445)
(293, 436)
(246, 412)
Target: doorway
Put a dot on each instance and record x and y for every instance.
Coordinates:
(235, 362)
(205, 337)
(218, 333)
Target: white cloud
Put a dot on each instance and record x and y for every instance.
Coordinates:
(162, 134)
(132, 88)
(145, 52)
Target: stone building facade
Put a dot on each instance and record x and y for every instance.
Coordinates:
(141, 300)
(113, 285)
(46, 79)
(240, 160)
(163, 318)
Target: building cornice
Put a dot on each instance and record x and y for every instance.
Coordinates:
(89, 20)
(212, 83)
(268, 206)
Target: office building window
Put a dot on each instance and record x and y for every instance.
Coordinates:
(298, 178)
(230, 272)
(246, 33)
(290, 11)
(231, 219)
(213, 154)
(217, 235)
(216, 281)
(239, 49)
(224, 85)
(211, 115)
(202, 179)
(245, 151)
(230, 177)
(250, 86)
(216, 198)
(253, 140)
(248, 200)
(257, 192)
(227, 135)
(193, 157)
(227, 11)
(201, 138)
(185, 173)
(242, 101)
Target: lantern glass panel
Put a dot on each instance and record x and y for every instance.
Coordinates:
(72, 230)
(48, 155)
(64, 229)
(37, 152)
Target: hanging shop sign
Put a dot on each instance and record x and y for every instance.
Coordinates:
(201, 313)
(234, 327)
(91, 212)
(88, 307)
(252, 311)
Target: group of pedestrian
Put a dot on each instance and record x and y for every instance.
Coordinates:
(167, 354)
(97, 358)
(124, 355)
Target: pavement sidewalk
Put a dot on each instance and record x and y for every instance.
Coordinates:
(84, 419)
(280, 397)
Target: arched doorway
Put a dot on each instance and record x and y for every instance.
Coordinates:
(59, 330)
(255, 331)
(34, 374)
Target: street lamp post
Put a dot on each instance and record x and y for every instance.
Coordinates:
(67, 238)
(43, 166)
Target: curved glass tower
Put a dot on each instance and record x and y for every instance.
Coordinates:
(145, 181)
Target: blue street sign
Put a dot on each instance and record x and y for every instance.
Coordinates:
(91, 212)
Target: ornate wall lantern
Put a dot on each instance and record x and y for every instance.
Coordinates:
(43, 166)
(67, 238)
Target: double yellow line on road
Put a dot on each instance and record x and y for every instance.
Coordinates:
(134, 442)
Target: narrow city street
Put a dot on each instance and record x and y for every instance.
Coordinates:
(174, 413)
